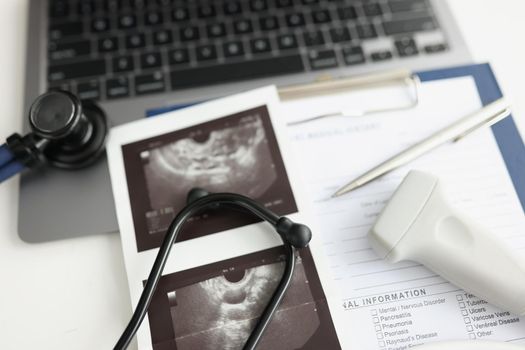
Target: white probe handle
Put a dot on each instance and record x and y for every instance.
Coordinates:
(457, 248)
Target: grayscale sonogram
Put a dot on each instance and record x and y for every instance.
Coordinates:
(235, 157)
(238, 153)
(216, 306)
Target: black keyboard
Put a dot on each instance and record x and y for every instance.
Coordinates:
(106, 49)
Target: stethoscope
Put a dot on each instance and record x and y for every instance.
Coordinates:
(71, 134)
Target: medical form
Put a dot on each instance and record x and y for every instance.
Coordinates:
(396, 306)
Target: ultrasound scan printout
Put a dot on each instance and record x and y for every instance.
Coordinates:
(225, 265)
(216, 306)
(237, 153)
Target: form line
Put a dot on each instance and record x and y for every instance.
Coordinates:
(400, 290)
(398, 282)
(383, 271)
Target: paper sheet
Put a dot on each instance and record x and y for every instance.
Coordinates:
(219, 278)
(395, 306)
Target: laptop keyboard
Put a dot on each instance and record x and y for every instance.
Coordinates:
(107, 49)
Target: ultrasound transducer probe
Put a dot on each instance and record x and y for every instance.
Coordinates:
(419, 224)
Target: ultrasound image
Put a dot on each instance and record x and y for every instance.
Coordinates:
(236, 157)
(229, 306)
(237, 153)
(216, 307)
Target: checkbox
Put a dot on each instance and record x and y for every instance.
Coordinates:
(464, 312)
(381, 344)
(378, 328)
(379, 335)
(374, 312)
(461, 305)
(376, 319)
(470, 328)
(472, 336)
(459, 297)
(466, 319)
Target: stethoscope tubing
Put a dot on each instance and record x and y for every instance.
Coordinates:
(211, 200)
(5, 155)
(9, 166)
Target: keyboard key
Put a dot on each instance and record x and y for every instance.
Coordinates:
(321, 59)
(232, 7)
(260, 45)
(353, 55)
(134, 41)
(233, 48)
(372, 10)
(295, 20)
(189, 33)
(60, 51)
(435, 48)
(137, 4)
(153, 18)
(123, 64)
(127, 21)
(150, 60)
(117, 87)
(236, 71)
(216, 30)
(287, 41)
(76, 70)
(381, 56)
(64, 30)
(206, 52)
(59, 9)
(60, 86)
(269, 23)
(284, 3)
(100, 25)
(108, 44)
(206, 11)
(86, 7)
(346, 13)
(309, 2)
(163, 3)
(89, 90)
(322, 16)
(180, 14)
(313, 38)
(258, 5)
(406, 47)
(162, 37)
(340, 34)
(242, 26)
(409, 25)
(149, 83)
(366, 31)
(407, 5)
(111, 5)
(178, 56)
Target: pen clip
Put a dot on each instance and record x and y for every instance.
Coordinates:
(493, 119)
(413, 84)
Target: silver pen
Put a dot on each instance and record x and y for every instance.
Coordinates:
(486, 116)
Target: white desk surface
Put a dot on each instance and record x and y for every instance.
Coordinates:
(72, 294)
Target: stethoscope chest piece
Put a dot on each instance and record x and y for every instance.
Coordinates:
(66, 133)
(76, 130)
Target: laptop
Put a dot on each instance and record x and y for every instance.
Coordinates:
(136, 55)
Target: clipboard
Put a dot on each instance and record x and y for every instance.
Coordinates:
(507, 136)
(505, 132)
